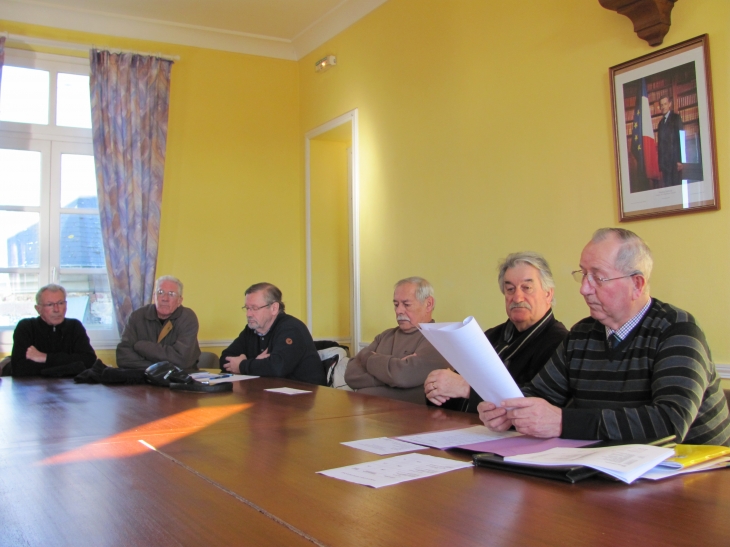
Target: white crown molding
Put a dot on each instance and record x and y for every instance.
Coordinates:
(332, 23)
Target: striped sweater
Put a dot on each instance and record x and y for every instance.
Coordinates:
(658, 381)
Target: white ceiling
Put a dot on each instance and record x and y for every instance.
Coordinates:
(287, 29)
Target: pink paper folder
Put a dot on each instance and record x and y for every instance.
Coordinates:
(514, 446)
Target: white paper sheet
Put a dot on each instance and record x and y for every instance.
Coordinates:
(466, 349)
(625, 462)
(383, 446)
(395, 470)
(212, 378)
(287, 390)
(457, 437)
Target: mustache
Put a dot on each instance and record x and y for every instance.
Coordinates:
(525, 305)
(402, 317)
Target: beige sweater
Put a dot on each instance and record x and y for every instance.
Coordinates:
(380, 368)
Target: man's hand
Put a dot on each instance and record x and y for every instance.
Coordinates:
(264, 354)
(35, 355)
(534, 416)
(680, 166)
(233, 364)
(494, 417)
(443, 384)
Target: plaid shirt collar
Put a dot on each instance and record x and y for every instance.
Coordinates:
(627, 327)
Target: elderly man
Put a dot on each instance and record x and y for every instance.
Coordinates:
(50, 344)
(273, 343)
(396, 364)
(524, 342)
(162, 331)
(636, 369)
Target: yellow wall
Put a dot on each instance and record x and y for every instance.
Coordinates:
(486, 128)
(233, 200)
(330, 239)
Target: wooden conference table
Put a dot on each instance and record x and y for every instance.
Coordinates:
(239, 469)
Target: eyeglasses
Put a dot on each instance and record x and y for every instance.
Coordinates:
(595, 281)
(50, 305)
(171, 294)
(255, 308)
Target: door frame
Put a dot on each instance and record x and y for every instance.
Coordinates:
(354, 223)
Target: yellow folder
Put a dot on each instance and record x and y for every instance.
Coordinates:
(687, 455)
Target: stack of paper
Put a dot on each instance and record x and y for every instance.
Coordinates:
(690, 458)
(457, 437)
(466, 349)
(625, 462)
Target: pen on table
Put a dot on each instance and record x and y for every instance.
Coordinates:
(217, 377)
(666, 442)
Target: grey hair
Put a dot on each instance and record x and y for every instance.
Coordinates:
(424, 289)
(51, 287)
(174, 279)
(634, 256)
(271, 293)
(531, 258)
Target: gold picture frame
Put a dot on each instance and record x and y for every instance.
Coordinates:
(664, 132)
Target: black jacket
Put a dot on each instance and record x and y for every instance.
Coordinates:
(64, 344)
(523, 353)
(292, 353)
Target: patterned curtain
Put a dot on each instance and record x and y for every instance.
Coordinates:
(129, 106)
(2, 56)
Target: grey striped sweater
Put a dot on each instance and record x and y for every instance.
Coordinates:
(659, 381)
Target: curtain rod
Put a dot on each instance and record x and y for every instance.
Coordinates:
(77, 47)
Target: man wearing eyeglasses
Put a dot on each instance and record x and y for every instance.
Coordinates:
(161, 331)
(636, 369)
(273, 343)
(50, 344)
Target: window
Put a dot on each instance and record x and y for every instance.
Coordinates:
(49, 216)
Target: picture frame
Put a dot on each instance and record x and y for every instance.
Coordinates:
(664, 135)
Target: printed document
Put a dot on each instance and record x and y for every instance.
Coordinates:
(626, 462)
(395, 470)
(457, 437)
(384, 446)
(467, 349)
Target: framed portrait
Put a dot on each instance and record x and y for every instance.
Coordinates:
(663, 132)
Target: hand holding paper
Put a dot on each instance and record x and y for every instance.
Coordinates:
(466, 349)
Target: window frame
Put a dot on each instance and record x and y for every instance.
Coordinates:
(52, 141)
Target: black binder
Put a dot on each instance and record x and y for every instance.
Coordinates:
(565, 473)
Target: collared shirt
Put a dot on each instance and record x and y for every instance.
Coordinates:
(623, 331)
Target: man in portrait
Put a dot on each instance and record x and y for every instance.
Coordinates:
(669, 144)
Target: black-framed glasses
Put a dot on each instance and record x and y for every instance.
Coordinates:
(171, 294)
(50, 305)
(255, 308)
(595, 281)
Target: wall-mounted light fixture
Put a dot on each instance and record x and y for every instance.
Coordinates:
(325, 63)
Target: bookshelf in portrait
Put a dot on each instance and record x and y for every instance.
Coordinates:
(663, 129)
